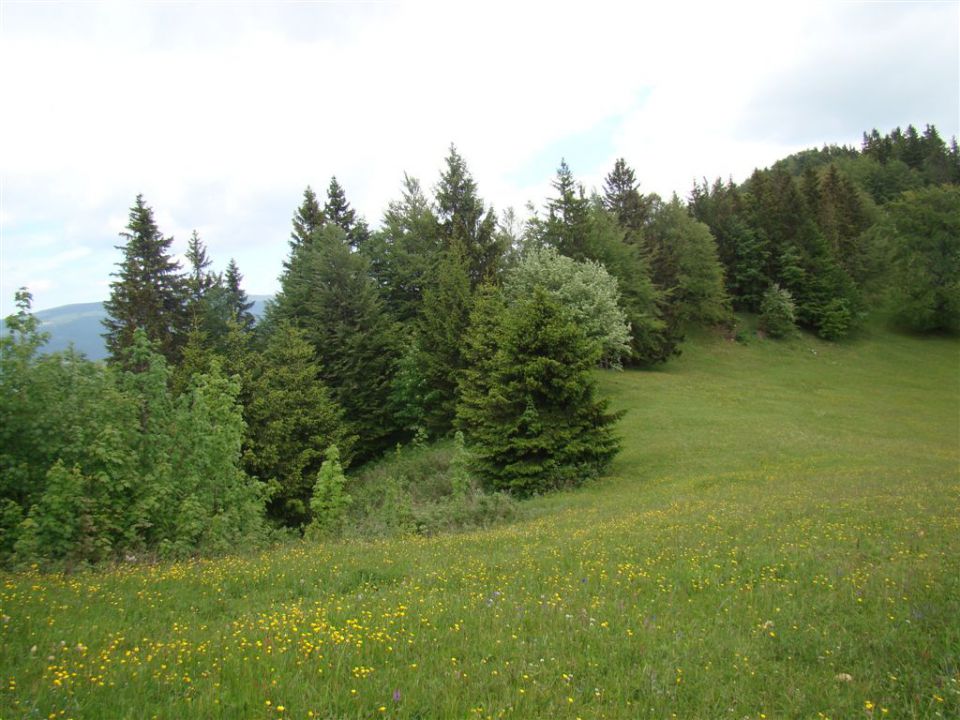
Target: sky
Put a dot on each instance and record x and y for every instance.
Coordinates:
(221, 113)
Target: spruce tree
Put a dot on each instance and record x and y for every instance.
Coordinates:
(403, 253)
(237, 301)
(199, 279)
(290, 302)
(622, 197)
(205, 297)
(291, 420)
(481, 343)
(354, 337)
(308, 220)
(338, 211)
(567, 214)
(443, 322)
(149, 292)
(540, 426)
(464, 218)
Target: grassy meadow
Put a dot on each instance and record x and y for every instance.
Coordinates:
(779, 538)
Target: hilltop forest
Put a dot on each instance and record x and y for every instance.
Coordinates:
(205, 431)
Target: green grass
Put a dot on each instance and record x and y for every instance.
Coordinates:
(779, 538)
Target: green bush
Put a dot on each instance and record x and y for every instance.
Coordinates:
(778, 315)
(836, 320)
(422, 490)
(330, 502)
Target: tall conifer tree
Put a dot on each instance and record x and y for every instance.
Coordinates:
(566, 226)
(403, 253)
(463, 217)
(237, 299)
(342, 315)
(148, 292)
(291, 419)
(308, 220)
(338, 211)
(622, 197)
(541, 424)
(443, 323)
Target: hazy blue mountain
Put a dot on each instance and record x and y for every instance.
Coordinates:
(81, 325)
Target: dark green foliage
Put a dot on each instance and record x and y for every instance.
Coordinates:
(148, 292)
(463, 218)
(307, 221)
(289, 303)
(196, 357)
(443, 323)
(291, 421)
(683, 257)
(622, 197)
(743, 250)
(207, 302)
(540, 426)
(355, 340)
(925, 229)
(800, 257)
(409, 390)
(236, 299)
(567, 216)
(836, 319)
(338, 211)
(480, 345)
(199, 280)
(217, 306)
(827, 298)
(327, 291)
(403, 253)
(926, 155)
(11, 515)
(842, 215)
(778, 313)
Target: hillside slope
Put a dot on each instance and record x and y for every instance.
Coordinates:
(779, 538)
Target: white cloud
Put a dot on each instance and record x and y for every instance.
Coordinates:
(220, 115)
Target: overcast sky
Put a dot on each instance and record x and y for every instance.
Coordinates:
(221, 113)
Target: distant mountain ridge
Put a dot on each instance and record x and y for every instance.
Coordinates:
(81, 325)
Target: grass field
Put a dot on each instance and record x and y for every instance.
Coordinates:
(780, 538)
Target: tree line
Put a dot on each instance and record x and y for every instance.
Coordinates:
(205, 430)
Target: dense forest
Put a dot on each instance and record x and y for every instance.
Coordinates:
(206, 431)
